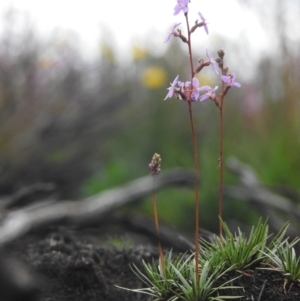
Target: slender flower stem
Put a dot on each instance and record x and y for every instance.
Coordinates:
(189, 47)
(221, 165)
(196, 192)
(161, 256)
(195, 159)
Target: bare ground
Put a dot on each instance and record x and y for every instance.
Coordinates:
(78, 265)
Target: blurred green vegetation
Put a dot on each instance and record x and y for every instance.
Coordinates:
(261, 130)
(88, 127)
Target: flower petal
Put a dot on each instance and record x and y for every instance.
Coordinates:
(225, 78)
(236, 84)
(195, 83)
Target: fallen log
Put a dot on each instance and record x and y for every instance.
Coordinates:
(268, 203)
(16, 223)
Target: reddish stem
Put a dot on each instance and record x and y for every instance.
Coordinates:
(196, 191)
(161, 256)
(189, 47)
(221, 165)
(195, 159)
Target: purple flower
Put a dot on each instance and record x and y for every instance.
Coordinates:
(203, 22)
(196, 88)
(212, 62)
(230, 80)
(182, 5)
(209, 94)
(172, 88)
(181, 85)
(172, 32)
(195, 93)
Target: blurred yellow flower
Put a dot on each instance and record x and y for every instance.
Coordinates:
(107, 52)
(154, 77)
(44, 63)
(63, 45)
(205, 80)
(139, 53)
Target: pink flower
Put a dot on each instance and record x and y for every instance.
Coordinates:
(172, 32)
(182, 5)
(210, 94)
(172, 88)
(230, 80)
(196, 88)
(212, 62)
(203, 22)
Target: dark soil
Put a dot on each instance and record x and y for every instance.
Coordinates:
(76, 266)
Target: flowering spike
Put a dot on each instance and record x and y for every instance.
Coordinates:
(154, 166)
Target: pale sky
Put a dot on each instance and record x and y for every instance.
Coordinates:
(130, 19)
(135, 21)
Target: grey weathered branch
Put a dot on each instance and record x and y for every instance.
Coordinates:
(17, 223)
(17, 199)
(267, 202)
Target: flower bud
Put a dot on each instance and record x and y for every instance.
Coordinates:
(154, 166)
(221, 53)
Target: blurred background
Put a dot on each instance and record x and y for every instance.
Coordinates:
(82, 87)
